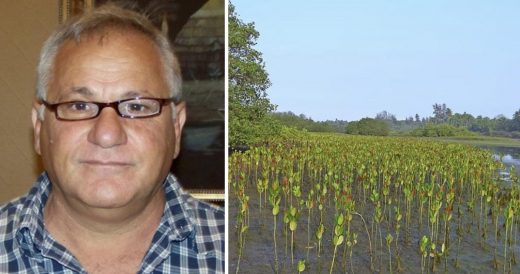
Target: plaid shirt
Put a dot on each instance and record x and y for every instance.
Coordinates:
(189, 239)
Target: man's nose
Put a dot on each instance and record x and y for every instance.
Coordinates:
(108, 130)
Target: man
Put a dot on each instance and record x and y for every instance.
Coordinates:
(107, 123)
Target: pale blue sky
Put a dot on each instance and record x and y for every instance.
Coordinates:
(352, 59)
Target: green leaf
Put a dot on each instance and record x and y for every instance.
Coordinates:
(389, 239)
(276, 210)
(301, 265)
(293, 225)
(339, 240)
(338, 230)
(339, 220)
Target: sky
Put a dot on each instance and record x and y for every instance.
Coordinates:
(346, 60)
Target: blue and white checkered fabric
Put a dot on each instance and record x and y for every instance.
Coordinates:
(189, 239)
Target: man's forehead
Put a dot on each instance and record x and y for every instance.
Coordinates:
(83, 92)
(121, 67)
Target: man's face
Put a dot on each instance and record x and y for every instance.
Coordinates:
(108, 161)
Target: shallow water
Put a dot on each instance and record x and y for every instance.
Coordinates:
(510, 156)
(475, 253)
(258, 255)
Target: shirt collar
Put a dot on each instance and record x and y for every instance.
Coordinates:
(31, 219)
(175, 211)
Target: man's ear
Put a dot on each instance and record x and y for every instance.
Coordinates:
(180, 119)
(36, 122)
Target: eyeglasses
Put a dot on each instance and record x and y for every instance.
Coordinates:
(139, 107)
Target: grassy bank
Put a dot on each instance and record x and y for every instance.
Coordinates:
(481, 140)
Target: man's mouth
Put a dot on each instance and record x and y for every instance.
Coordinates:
(106, 163)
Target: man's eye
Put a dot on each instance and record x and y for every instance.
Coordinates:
(135, 107)
(79, 106)
(139, 108)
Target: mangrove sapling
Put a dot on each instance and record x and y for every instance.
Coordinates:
(378, 217)
(256, 160)
(434, 221)
(260, 190)
(508, 216)
(459, 231)
(386, 192)
(286, 221)
(423, 200)
(510, 212)
(351, 243)
(291, 187)
(285, 192)
(309, 203)
(470, 204)
(408, 212)
(274, 199)
(338, 237)
(349, 205)
(319, 236)
(488, 197)
(398, 218)
(297, 193)
(423, 247)
(374, 197)
(482, 219)
(495, 211)
(429, 194)
(515, 197)
(389, 240)
(322, 199)
(450, 196)
(244, 202)
(293, 224)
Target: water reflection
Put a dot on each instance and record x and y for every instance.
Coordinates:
(507, 159)
(510, 156)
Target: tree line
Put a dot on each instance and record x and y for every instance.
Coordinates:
(443, 122)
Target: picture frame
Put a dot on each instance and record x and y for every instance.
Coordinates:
(68, 8)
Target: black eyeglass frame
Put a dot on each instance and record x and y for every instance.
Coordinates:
(114, 105)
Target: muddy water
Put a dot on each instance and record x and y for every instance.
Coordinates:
(258, 256)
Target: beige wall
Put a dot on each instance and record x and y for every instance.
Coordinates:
(24, 25)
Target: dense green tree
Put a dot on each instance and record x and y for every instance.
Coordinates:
(461, 120)
(440, 130)
(386, 116)
(368, 126)
(248, 82)
(441, 113)
(303, 123)
(516, 121)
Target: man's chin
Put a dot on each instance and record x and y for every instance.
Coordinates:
(104, 201)
(108, 194)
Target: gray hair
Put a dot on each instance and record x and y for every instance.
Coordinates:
(104, 17)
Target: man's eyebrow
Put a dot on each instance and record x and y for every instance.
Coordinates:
(135, 93)
(70, 92)
(82, 91)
